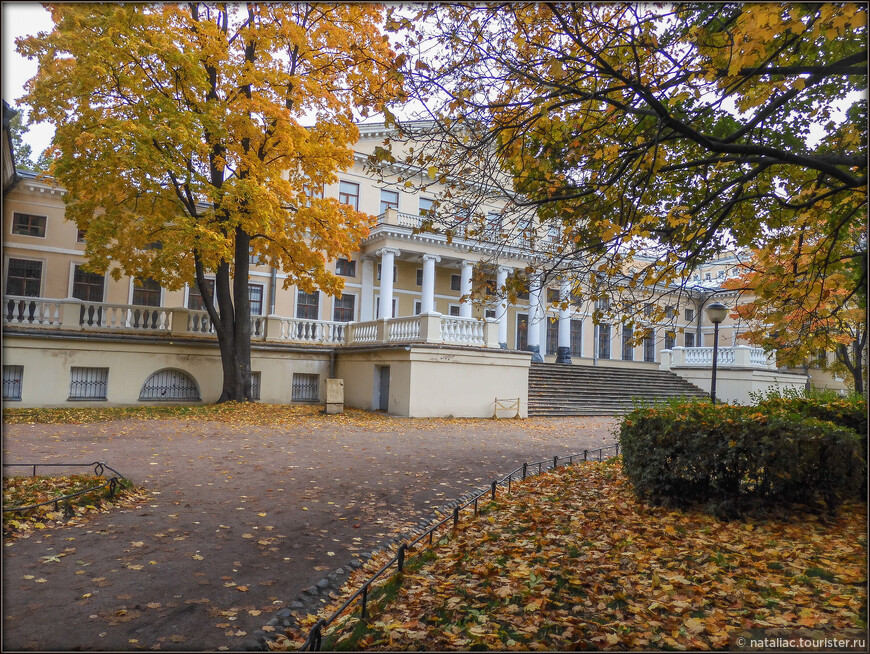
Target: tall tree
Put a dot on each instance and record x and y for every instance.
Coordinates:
(181, 124)
(23, 152)
(675, 131)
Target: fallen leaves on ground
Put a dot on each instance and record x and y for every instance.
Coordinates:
(27, 491)
(571, 560)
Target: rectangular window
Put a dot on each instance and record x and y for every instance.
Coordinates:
(649, 346)
(146, 292)
(690, 339)
(194, 298)
(306, 388)
(24, 277)
(345, 267)
(88, 286)
(255, 385)
(12, 378)
(389, 200)
(670, 312)
(689, 314)
(395, 273)
(670, 340)
(627, 347)
(455, 282)
(492, 229)
(647, 310)
(419, 276)
(453, 310)
(427, 207)
(342, 308)
(602, 305)
(603, 341)
(255, 295)
(552, 296)
(552, 334)
(88, 383)
(348, 193)
(26, 224)
(418, 307)
(489, 313)
(576, 338)
(80, 235)
(522, 331)
(308, 305)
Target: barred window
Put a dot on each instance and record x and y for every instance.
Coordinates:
(308, 305)
(12, 378)
(603, 341)
(576, 338)
(255, 295)
(169, 384)
(649, 346)
(88, 383)
(255, 385)
(627, 347)
(26, 224)
(690, 339)
(306, 387)
(24, 277)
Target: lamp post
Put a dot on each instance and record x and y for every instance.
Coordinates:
(716, 313)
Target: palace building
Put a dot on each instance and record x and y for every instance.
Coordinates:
(403, 336)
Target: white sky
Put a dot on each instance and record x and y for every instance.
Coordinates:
(23, 18)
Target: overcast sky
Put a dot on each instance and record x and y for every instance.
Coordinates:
(19, 19)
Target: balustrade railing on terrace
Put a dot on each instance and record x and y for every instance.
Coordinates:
(738, 356)
(76, 315)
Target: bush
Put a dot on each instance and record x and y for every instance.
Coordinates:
(728, 456)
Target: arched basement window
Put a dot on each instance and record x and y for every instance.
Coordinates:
(169, 384)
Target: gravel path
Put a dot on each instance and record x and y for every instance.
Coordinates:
(242, 517)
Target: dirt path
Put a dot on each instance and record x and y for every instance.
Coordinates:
(242, 517)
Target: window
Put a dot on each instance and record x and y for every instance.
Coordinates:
(602, 305)
(419, 276)
(708, 276)
(389, 200)
(395, 311)
(24, 277)
(313, 191)
(670, 340)
(418, 307)
(492, 229)
(80, 235)
(455, 282)
(169, 384)
(308, 305)
(345, 267)
(146, 292)
(342, 308)
(552, 334)
(648, 310)
(721, 274)
(255, 295)
(26, 224)
(88, 286)
(194, 298)
(690, 339)
(670, 312)
(395, 273)
(522, 331)
(489, 313)
(649, 346)
(453, 310)
(603, 341)
(553, 232)
(306, 387)
(12, 377)
(348, 193)
(427, 207)
(627, 346)
(88, 383)
(689, 314)
(576, 338)
(552, 296)
(255, 385)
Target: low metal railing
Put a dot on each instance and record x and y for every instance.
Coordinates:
(99, 468)
(315, 637)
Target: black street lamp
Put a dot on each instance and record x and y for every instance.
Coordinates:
(716, 313)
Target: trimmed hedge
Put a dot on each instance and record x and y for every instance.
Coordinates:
(727, 456)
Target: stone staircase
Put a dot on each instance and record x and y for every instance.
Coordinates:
(568, 390)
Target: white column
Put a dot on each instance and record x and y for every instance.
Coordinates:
(500, 281)
(563, 352)
(388, 259)
(367, 292)
(427, 300)
(535, 315)
(465, 289)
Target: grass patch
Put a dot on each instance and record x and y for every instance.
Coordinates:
(601, 570)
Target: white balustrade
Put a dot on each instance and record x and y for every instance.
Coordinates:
(404, 329)
(19, 310)
(462, 331)
(364, 332)
(739, 356)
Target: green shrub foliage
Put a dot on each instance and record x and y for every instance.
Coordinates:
(730, 456)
